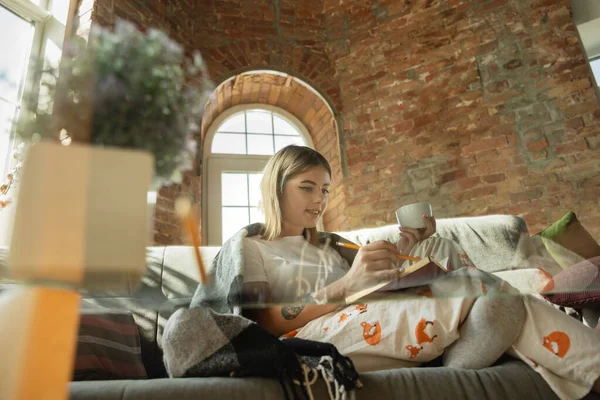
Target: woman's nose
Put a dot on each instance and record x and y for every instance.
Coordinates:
(320, 197)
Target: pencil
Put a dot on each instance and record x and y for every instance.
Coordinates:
(183, 208)
(398, 255)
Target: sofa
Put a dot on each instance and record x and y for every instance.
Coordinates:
(493, 243)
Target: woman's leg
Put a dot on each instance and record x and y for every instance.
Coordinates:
(492, 326)
(561, 349)
(495, 320)
(403, 330)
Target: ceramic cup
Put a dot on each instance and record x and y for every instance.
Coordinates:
(411, 215)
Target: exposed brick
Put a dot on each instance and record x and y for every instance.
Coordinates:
(475, 193)
(416, 85)
(567, 148)
(537, 145)
(493, 178)
(526, 195)
(485, 144)
(593, 141)
(452, 176)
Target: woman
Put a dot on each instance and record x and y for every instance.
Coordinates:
(301, 285)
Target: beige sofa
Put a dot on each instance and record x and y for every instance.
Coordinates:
(172, 277)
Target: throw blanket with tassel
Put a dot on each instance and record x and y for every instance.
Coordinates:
(212, 338)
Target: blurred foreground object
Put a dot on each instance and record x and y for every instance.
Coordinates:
(81, 216)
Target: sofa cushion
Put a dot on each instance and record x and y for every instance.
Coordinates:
(490, 241)
(180, 274)
(144, 304)
(108, 347)
(527, 280)
(511, 379)
(576, 286)
(570, 234)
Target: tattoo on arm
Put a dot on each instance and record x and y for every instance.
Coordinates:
(293, 310)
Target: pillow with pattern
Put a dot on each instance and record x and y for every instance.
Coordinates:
(108, 347)
(577, 286)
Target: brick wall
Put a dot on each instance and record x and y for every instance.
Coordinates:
(234, 36)
(476, 106)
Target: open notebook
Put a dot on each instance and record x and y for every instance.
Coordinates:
(421, 273)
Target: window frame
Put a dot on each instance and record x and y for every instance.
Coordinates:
(213, 164)
(46, 27)
(38, 16)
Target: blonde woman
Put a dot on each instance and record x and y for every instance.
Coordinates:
(297, 284)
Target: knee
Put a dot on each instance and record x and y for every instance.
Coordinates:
(506, 312)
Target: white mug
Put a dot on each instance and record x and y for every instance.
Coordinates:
(411, 215)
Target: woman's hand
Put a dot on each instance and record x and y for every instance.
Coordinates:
(374, 262)
(410, 237)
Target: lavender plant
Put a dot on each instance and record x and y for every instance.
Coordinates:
(128, 89)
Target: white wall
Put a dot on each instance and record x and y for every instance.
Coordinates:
(586, 17)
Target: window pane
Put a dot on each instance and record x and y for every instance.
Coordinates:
(259, 121)
(595, 64)
(60, 10)
(234, 189)
(282, 141)
(7, 113)
(282, 127)
(234, 219)
(254, 188)
(256, 215)
(260, 144)
(229, 143)
(234, 124)
(16, 39)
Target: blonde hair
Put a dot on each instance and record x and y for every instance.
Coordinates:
(284, 165)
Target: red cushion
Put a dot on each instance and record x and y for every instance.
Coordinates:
(108, 347)
(576, 286)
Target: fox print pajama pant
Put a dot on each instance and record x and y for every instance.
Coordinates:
(413, 326)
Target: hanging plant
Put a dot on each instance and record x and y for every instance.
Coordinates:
(128, 89)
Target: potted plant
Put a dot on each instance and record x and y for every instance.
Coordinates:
(127, 103)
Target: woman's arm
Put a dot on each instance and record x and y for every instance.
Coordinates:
(375, 261)
(280, 319)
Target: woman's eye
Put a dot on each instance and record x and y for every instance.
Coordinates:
(306, 188)
(325, 191)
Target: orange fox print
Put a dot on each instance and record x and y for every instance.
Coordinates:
(558, 343)
(291, 334)
(414, 351)
(422, 337)
(549, 285)
(359, 309)
(371, 332)
(466, 261)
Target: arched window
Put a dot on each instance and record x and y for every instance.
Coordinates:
(238, 145)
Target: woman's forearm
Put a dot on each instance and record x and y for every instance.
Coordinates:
(282, 319)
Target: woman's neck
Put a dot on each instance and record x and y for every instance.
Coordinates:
(287, 230)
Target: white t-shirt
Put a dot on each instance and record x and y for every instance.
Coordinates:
(292, 266)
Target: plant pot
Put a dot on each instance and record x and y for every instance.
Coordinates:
(81, 216)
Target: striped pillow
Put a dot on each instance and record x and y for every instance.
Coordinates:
(108, 347)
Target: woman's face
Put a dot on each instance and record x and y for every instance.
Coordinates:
(304, 200)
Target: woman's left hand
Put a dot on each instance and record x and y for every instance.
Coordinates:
(410, 237)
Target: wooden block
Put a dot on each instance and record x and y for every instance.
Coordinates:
(81, 216)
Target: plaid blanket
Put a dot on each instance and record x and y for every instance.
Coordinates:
(232, 345)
